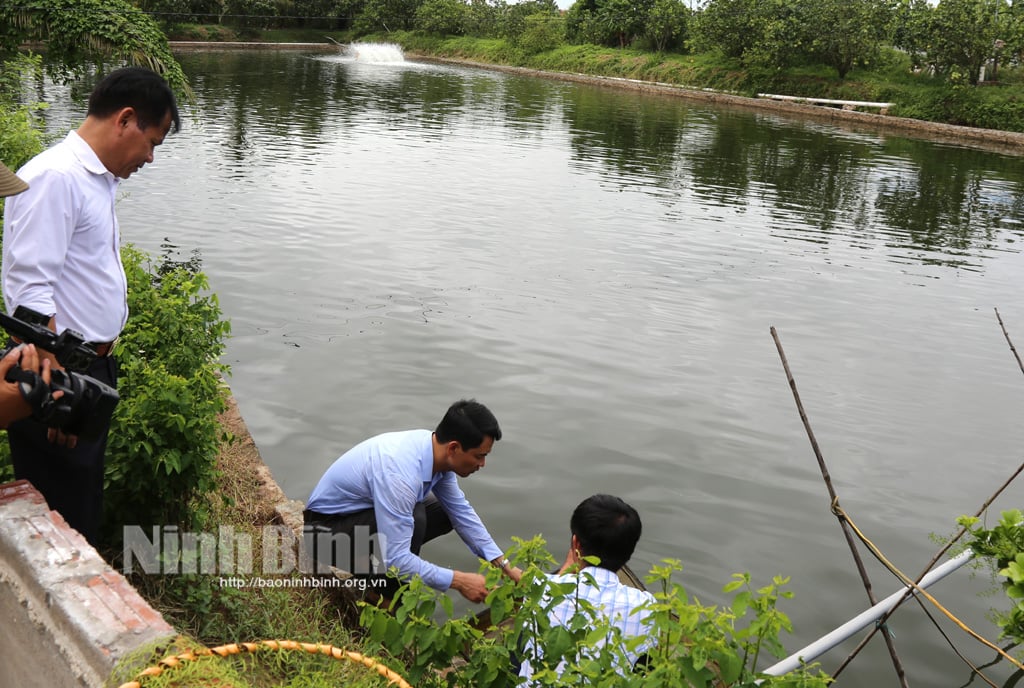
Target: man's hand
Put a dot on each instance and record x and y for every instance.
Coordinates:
(470, 585)
(13, 405)
(57, 436)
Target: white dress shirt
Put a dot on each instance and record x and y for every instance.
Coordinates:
(613, 601)
(61, 243)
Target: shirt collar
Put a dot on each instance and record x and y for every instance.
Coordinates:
(601, 576)
(84, 152)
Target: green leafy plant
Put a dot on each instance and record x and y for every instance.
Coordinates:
(165, 436)
(1003, 547)
(697, 645)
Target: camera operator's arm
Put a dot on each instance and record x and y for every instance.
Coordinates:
(13, 405)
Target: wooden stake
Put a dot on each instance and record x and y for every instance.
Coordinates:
(1008, 341)
(833, 498)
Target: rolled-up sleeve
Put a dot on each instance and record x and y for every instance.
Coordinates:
(395, 495)
(38, 228)
(465, 519)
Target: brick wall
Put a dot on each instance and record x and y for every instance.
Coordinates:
(67, 616)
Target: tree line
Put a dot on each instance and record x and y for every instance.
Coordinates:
(955, 39)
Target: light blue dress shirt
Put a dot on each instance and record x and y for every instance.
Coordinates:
(390, 474)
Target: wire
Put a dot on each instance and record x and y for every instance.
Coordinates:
(838, 511)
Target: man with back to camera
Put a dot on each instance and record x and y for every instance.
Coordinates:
(605, 527)
(13, 404)
(61, 258)
(403, 486)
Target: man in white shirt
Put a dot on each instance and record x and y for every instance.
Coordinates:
(13, 404)
(606, 528)
(61, 258)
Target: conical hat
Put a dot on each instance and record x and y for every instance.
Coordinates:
(10, 183)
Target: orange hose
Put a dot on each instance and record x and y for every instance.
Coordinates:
(238, 648)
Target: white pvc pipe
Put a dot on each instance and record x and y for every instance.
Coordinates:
(827, 642)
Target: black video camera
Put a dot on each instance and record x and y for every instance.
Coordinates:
(85, 407)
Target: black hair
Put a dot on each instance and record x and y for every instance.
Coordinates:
(607, 528)
(467, 422)
(139, 88)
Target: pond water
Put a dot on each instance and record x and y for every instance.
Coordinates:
(602, 269)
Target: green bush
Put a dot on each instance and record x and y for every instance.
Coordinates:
(989, 107)
(1002, 547)
(541, 32)
(165, 436)
(442, 17)
(696, 645)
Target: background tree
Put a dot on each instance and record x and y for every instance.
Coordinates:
(666, 25)
(843, 34)
(513, 17)
(623, 19)
(483, 18)
(542, 31)
(910, 21)
(731, 27)
(442, 17)
(962, 36)
(88, 32)
(389, 15)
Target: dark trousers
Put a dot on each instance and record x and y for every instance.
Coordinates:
(71, 480)
(429, 521)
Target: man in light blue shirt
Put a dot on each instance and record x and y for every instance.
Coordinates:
(403, 488)
(606, 528)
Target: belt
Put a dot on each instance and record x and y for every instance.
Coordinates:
(103, 349)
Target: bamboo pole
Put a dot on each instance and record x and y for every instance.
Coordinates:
(833, 499)
(959, 534)
(1009, 341)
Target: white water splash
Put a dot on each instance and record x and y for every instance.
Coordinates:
(375, 53)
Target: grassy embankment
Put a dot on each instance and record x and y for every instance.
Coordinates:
(209, 615)
(996, 105)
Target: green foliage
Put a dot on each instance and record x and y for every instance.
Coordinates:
(165, 436)
(623, 19)
(992, 108)
(483, 18)
(909, 28)
(845, 33)
(88, 31)
(20, 139)
(962, 36)
(666, 25)
(386, 15)
(541, 32)
(766, 35)
(1003, 548)
(697, 645)
(512, 19)
(442, 17)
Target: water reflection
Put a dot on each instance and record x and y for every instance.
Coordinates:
(930, 203)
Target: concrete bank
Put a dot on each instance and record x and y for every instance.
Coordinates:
(251, 45)
(1002, 141)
